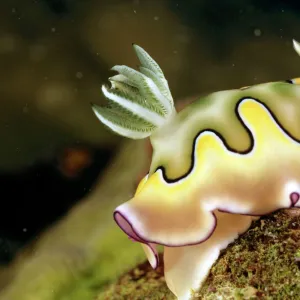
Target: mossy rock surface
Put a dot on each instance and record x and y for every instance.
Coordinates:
(263, 263)
(141, 282)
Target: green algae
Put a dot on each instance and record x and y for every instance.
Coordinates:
(140, 283)
(115, 255)
(263, 260)
(263, 263)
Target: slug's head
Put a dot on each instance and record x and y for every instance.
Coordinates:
(140, 102)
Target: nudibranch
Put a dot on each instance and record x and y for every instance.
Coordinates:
(217, 165)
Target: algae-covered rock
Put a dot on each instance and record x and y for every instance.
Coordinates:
(263, 263)
(141, 282)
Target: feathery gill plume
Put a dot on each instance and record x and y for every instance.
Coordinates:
(139, 102)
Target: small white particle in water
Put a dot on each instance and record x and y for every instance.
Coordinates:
(233, 65)
(134, 11)
(13, 10)
(257, 32)
(53, 29)
(79, 75)
(24, 229)
(156, 18)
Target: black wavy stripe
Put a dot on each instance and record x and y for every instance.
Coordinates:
(290, 81)
(248, 150)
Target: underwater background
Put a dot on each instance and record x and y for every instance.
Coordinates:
(61, 172)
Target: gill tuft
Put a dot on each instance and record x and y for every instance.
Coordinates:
(139, 102)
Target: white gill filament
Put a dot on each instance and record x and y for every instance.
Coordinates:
(137, 109)
(296, 46)
(119, 129)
